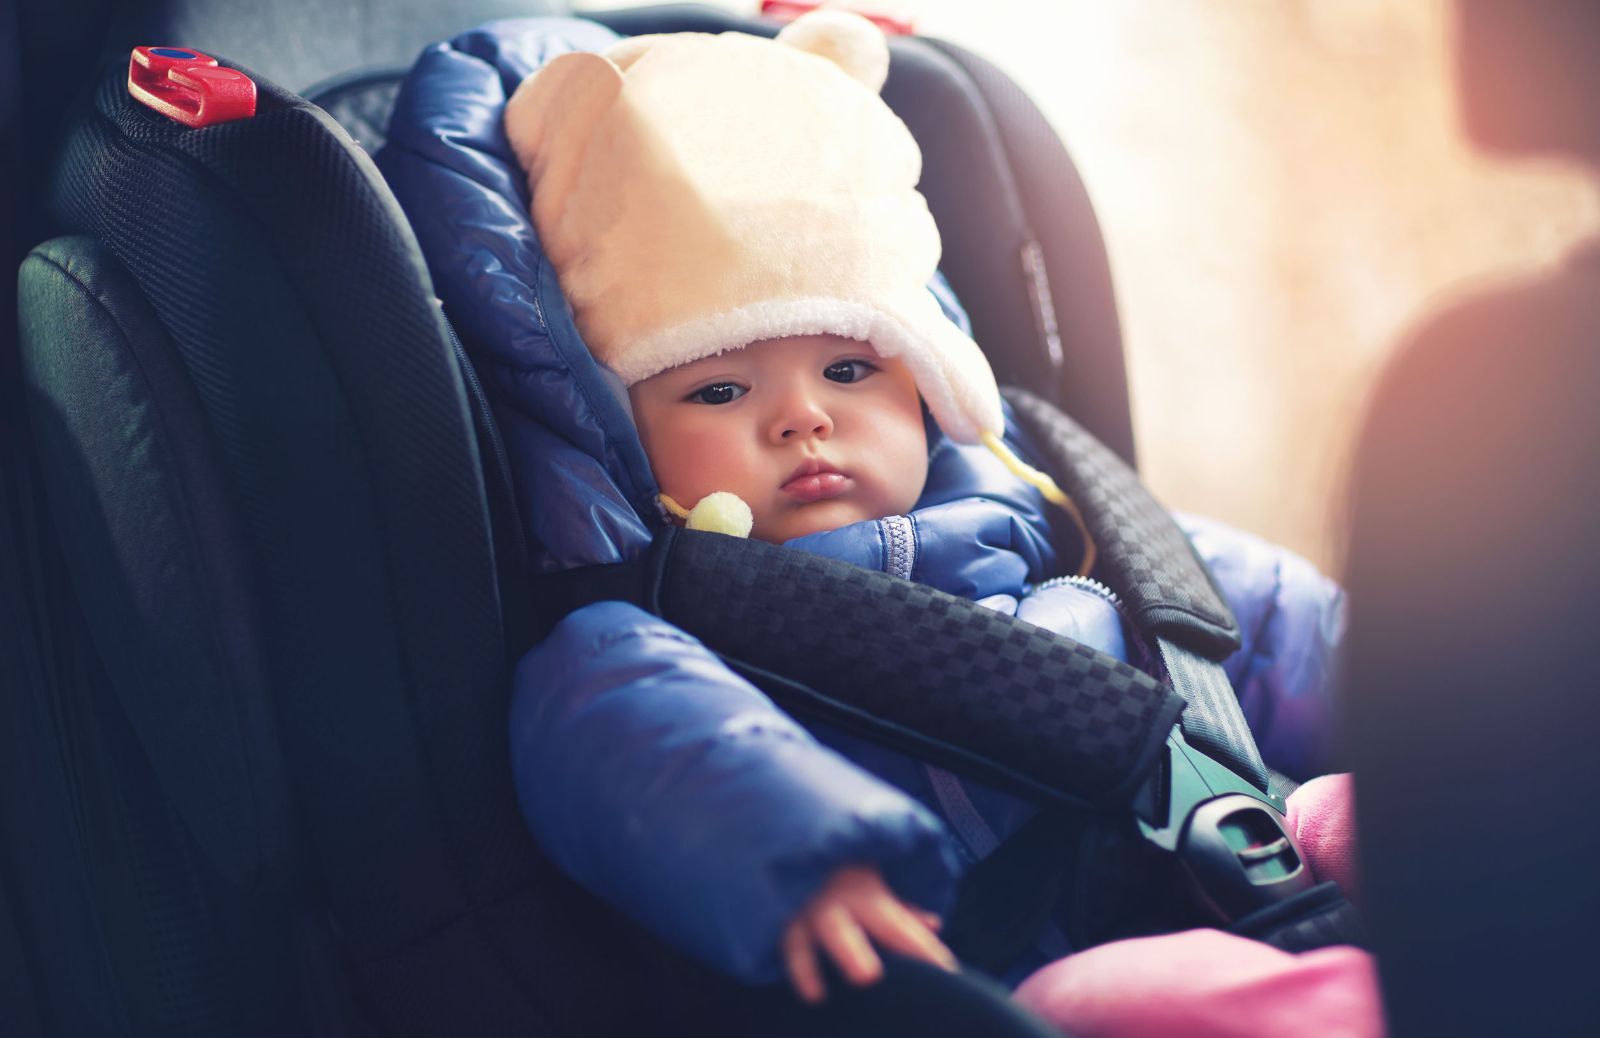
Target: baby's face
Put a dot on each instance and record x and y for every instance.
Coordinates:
(813, 432)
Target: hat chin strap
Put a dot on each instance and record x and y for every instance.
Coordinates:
(1046, 486)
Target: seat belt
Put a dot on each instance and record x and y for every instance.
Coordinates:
(1008, 898)
(1226, 839)
(1212, 720)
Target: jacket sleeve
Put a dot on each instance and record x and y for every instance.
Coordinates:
(1292, 619)
(676, 791)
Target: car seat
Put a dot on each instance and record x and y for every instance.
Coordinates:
(261, 580)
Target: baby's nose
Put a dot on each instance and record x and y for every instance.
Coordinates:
(802, 418)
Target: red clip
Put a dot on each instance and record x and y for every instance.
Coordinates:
(189, 87)
(789, 10)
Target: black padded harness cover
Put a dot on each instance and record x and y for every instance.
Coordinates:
(906, 664)
(1144, 556)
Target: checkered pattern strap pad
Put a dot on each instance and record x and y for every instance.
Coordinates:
(1144, 557)
(938, 675)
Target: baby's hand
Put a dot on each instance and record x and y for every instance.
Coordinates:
(856, 905)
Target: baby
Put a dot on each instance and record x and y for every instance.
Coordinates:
(813, 433)
(736, 229)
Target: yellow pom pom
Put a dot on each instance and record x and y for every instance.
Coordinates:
(722, 512)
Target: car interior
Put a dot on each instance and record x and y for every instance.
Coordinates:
(262, 580)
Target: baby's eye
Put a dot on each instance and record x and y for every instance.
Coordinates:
(718, 393)
(849, 370)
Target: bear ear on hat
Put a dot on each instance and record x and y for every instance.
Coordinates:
(625, 52)
(848, 40)
(563, 97)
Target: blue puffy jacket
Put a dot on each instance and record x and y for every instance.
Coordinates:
(648, 770)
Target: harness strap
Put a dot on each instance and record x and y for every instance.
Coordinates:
(1213, 720)
(1006, 898)
(1319, 918)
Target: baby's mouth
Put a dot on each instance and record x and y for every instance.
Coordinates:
(815, 481)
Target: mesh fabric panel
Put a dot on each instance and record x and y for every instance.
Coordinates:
(302, 312)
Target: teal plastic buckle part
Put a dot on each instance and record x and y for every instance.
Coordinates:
(1229, 836)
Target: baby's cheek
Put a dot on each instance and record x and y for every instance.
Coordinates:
(703, 462)
(901, 455)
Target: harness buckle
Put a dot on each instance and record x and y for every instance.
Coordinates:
(1229, 837)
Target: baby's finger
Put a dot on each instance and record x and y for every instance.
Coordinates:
(800, 958)
(898, 929)
(841, 937)
(932, 920)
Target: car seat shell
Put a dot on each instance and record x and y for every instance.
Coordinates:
(346, 454)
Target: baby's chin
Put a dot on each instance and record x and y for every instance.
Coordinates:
(814, 518)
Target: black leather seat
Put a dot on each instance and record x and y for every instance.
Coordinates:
(253, 750)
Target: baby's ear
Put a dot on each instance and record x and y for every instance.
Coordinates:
(558, 104)
(848, 40)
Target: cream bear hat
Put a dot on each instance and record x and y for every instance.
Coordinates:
(697, 193)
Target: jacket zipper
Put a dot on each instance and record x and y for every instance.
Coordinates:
(1087, 584)
(1148, 661)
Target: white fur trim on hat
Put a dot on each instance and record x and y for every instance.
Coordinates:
(950, 371)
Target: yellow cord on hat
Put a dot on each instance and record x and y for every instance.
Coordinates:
(1046, 486)
(676, 510)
